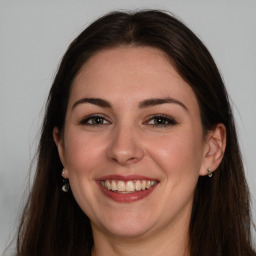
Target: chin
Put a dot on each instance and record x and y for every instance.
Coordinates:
(128, 231)
(127, 226)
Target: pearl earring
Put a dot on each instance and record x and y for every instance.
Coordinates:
(65, 187)
(209, 172)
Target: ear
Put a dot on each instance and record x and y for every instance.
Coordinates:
(214, 149)
(58, 139)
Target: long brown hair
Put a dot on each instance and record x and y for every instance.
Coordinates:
(53, 224)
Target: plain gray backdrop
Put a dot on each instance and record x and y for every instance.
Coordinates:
(35, 34)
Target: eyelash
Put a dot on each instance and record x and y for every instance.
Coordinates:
(168, 121)
(89, 120)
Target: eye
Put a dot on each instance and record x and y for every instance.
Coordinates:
(161, 121)
(95, 120)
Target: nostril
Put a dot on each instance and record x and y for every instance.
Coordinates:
(125, 158)
(132, 160)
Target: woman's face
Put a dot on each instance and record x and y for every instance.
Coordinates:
(133, 144)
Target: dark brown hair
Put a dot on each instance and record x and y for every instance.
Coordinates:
(53, 224)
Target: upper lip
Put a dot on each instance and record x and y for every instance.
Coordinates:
(126, 178)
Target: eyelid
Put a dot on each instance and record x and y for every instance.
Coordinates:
(168, 118)
(85, 119)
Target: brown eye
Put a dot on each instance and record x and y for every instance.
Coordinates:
(94, 120)
(161, 121)
(97, 120)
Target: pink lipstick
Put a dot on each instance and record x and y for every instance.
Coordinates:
(126, 188)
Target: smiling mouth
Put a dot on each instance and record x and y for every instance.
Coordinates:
(130, 186)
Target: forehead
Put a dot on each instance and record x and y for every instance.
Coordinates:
(130, 72)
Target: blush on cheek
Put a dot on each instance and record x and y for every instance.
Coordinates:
(179, 157)
(82, 152)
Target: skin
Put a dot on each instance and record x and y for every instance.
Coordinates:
(130, 141)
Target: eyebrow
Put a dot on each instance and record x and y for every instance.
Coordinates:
(144, 104)
(159, 101)
(96, 101)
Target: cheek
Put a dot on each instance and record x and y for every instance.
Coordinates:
(178, 154)
(84, 156)
(83, 152)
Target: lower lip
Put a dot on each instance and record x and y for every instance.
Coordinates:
(127, 197)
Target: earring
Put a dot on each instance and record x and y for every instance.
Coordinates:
(65, 187)
(209, 172)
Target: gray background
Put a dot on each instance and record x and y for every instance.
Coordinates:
(33, 38)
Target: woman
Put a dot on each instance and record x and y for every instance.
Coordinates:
(139, 125)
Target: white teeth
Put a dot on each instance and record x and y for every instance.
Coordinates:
(114, 186)
(137, 185)
(152, 183)
(108, 185)
(121, 186)
(143, 185)
(128, 186)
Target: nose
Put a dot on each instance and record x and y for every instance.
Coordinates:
(125, 147)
